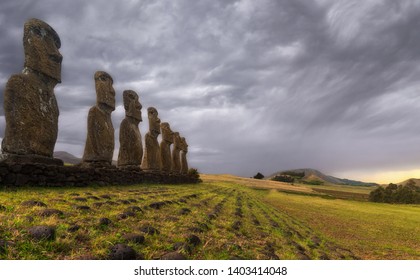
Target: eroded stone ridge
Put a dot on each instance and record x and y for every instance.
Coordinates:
(184, 151)
(131, 147)
(30, 105)
(99, 147)
(165, 147)
(151, 157)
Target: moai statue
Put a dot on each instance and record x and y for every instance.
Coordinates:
(131, 147)
(165, 147)
(176, 163)
(184, 151)
(30, 105)
(151, 158)
(99, 146)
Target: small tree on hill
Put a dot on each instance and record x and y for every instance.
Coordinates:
(259, 176)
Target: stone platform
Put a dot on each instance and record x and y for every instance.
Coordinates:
(59, 176)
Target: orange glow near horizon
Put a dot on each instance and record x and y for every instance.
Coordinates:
(384, 177)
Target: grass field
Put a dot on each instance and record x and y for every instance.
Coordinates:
(225, 217)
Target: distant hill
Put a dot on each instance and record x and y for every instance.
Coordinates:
(417, 181)
(67, 157)
(312, 175)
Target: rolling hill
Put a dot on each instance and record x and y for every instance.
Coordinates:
(312, 175)
(67, 157)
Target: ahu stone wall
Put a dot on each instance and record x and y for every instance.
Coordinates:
(58, 176)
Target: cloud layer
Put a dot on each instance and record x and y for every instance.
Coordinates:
(253, 85)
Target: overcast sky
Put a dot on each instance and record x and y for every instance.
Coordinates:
(254, 86)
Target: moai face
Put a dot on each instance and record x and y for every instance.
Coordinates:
(167, 133)
(154, 121)
(184, 144)
(176, 140)
(41, 44)
(132, 105)
(105, 93)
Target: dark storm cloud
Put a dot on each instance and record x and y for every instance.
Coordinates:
(253, 85)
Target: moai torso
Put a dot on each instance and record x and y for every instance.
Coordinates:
(176, 164)
(151, 157)
(30, 106)
(99, 147)
(184, 151)
(165, 147)
(131, 148)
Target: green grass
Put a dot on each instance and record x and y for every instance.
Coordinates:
(235, 218)
(229, 219)
(371, 230)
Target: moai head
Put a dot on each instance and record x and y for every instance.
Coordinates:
(177, 140)
(132, 105)
(154, 121)
(105, 93)
(167, 133)
(41, 44)
(184, 145)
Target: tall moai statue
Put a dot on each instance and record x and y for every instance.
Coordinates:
(30, 105)
(151, 157)
(176, 163)
(165, 147)
(184, 151)
(131, 147)
(99, 146)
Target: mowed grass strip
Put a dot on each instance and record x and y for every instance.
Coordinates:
(371, 230)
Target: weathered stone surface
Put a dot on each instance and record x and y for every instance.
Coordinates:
(42, 232)
(193, 240)
(149, 230)
(151, 157)
(122, 252)
(73, 228)
(184, 151)
(176, 161)
(50, 212)
(58, 176)
(165, 147)
(131, 147)
(32, 203)
(104, 221)
(99, 146)
(173, 256)
(134, 237)
(30, 106)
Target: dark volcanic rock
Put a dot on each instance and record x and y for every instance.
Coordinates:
(122, 252)
(133, 237)
(98, 204)
(123, 201)
(193, 240)
(80, 199)
(173, 256)
(73, 228)
(184, 211)
(106, 196)
(134, 209)
(32, 203)
(149, 230)
(42, 232)
(156, 205)
(3, 246)
(82, 207)
(104, 221)
(50, 212)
